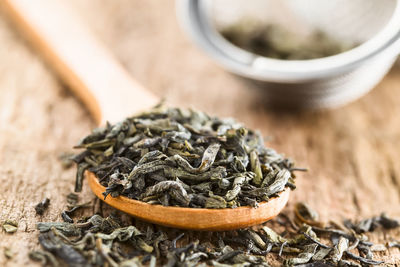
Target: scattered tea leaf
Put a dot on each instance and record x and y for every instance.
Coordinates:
(8, 253)
(66, 159)
(110, 241)
(53, 243)
(339, 249)
(42, 206)
(44, 257)
(307, 215)
(363, 260)
(303, 257)
(10, 226)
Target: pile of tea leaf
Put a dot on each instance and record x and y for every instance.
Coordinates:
(178, 157)
(274, 41)
(298, 239)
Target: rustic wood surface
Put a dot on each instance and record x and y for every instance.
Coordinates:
(352, 152)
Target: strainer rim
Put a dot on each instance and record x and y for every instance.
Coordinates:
(195, 22)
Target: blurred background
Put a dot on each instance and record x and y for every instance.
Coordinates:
(352, 152)
(306, 54)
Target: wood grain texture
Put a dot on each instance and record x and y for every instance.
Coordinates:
(79, 59)
(353, 152)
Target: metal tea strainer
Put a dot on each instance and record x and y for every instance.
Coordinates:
(317, 83)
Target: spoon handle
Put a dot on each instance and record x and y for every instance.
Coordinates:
(88, 68)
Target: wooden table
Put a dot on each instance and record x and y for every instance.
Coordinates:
(352, 152)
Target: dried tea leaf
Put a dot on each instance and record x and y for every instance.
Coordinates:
(228, 254)
(144, 246)
(122, 234)
(257, 239)
(280, 182)
(45, 258)
(339, 249)
(236, 187)
(370, 224)
(66, 217)
(245, 258)
(363, 260)
(8, 253)
(313, 239)
(82, 167)
(388, 223)
(303, 257)
(215, 202)
(175, 188)
(394, 244)
(10, 226)
(284, 249)
(365, 250)
(256, 167)
(66, 228)
(42, 206)
(11, 222)
(272, 236)
(66, 160)
(52, 243)
(321, 254)
(307, 215)
(72, 199)
(209, 156)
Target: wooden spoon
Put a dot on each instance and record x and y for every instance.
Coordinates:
(111, 95)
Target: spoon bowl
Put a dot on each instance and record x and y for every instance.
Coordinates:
(193, 218)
